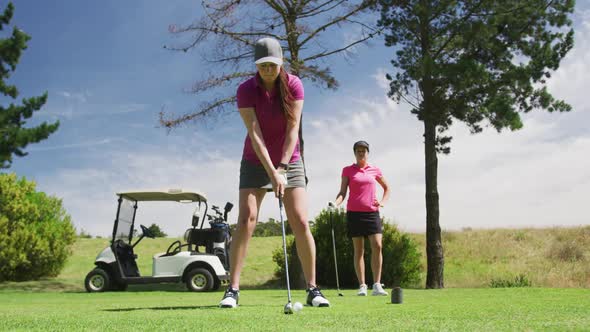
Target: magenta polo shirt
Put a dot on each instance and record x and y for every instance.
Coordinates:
(271, 119)
(361, 182)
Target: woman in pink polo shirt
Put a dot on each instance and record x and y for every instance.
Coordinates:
(270, 104)
(362, 212)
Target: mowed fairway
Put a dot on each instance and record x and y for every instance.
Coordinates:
(448, 309)
(61, 304)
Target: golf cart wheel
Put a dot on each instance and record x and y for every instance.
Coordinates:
(199, 280)
(97, 280)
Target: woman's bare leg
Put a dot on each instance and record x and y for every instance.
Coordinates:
(359, 261)
(296, 208)
(376, 257)
(249, 205)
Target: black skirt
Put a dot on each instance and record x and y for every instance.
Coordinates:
(363, 223)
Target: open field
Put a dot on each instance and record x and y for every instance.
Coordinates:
(550, 257)
(553, 257)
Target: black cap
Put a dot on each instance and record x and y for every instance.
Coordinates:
(360, 143)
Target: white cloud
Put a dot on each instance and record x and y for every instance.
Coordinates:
(126, 108)
(379, 77)
(571, 80)
(78, 97)
(89, 193)
(73, 145)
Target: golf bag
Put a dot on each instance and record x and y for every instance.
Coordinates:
(216, 240)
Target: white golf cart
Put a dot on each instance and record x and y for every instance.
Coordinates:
(116, 265)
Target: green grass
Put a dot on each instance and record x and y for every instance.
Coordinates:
(261, 310)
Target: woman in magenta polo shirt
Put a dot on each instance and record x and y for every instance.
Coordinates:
(270, 104)
(362, 212)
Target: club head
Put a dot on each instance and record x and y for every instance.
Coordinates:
(340, 294)
(288, 308)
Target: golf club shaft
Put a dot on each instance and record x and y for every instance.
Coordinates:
(334, 249)
(285, 248)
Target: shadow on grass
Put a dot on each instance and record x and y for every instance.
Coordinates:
(193, 307)
(43, 285)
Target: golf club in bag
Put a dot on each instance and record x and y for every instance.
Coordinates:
(331, 208)
(288, 306)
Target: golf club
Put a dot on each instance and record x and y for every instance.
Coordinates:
(331, 208)
(288, 306)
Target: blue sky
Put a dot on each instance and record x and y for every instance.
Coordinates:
(108, 76)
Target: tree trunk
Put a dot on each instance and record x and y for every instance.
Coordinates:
(434, 248)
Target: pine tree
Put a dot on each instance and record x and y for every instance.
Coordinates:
(480, 62)
(14, 136)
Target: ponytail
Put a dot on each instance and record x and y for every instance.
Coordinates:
(286, 97)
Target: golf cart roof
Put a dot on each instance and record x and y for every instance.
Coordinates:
(173, 195)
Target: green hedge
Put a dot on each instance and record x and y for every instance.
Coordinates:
(401, 257)
(35, 231)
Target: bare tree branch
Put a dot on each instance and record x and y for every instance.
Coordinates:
(335, 21)
(214, 81)
(324, 54)
(203, 112)
(317, 10)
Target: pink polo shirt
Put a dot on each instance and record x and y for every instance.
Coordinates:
(271, 119)
(361, 182)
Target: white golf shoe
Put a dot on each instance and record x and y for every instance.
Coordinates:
(362, 290)
(230, 298)
(315, 298)
(378, 290)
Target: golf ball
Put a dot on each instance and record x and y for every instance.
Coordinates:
(297, 306)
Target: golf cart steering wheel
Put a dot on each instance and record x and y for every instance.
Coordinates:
(146, 232)
(174, 248)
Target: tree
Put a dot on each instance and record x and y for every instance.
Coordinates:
(36, 233)
(14, 137)
(227, 31)
(157, 231)
(481, 62)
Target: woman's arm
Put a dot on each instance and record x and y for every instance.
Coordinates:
(343, 189)
(292, 133)
(385, 186)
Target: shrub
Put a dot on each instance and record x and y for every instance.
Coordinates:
(519, 236)
(566, 251)
(448, 236)
(157, 231)
(520, 280)
(401, 257)
(84, 235)
(35, 231)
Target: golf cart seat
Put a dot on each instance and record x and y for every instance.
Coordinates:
(127, 257)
